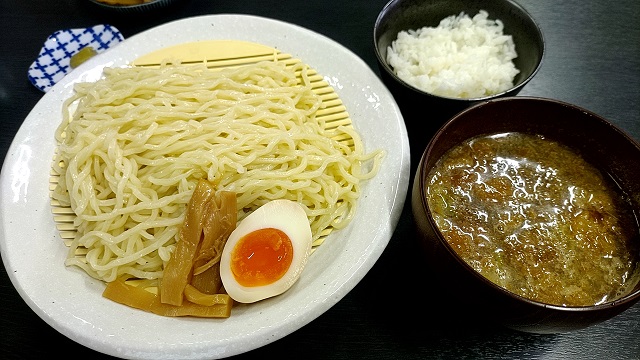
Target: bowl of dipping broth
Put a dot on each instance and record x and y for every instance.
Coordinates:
(438, 57)
(527, 210)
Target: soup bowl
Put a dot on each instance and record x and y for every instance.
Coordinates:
(599, 143)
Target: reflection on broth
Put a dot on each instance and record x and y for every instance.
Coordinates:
(534, 217)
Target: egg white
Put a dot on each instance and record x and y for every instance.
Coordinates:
(285, 215)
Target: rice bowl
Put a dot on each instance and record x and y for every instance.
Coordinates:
(462, 57)
(425, 112)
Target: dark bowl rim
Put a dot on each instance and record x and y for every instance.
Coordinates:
(137, 7)
(514, 89)
(630, 298)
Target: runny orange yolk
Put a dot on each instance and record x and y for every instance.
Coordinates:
(261, 257)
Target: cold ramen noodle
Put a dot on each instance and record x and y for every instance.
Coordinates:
(532, 216)
(134, 146)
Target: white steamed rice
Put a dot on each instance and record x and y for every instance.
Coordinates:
(462, 57)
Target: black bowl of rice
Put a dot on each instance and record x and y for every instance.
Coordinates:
(438, 57)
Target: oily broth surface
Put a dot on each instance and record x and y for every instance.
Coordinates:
(534, 217)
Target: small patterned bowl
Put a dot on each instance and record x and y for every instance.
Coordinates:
(54, 60)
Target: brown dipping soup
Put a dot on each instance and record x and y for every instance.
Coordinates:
(533, 217)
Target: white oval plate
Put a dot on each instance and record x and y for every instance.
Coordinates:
(72, 302)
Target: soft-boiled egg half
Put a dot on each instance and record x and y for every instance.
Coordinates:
(266, 253)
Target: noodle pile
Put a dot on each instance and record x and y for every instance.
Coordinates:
(131, 153)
